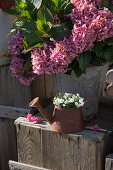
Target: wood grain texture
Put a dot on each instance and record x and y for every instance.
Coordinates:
(13, 93)
(109, 162)
(8, 141)
(38, 145)
(28, 152)
(13, 112)
(49, 86)
(38, 88)
(8, 149)
(20, 166)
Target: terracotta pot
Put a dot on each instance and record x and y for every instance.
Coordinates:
(67, 120)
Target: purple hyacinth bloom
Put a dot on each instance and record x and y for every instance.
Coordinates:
(15, 46)
(95, 128)
(16, 66)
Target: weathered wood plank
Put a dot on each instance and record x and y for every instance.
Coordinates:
(13, 112)
(39, 146)
(13, 93)
(8, 142)
(38, 88)
(8, 149)
(20, 166)
(28, 152)
(109, 162)
(49, 86)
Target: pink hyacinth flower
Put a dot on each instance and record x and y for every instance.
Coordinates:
(29, 117)
(33, 119)
(95, 128)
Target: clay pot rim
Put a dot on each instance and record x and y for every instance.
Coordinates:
(79, 108)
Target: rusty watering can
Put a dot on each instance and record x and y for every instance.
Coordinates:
(63, 120)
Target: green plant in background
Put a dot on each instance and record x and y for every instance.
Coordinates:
(61, 36)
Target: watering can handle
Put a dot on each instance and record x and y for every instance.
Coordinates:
(93, 113)
(35, 103)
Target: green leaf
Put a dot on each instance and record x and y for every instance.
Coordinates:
(106, 3)
(30, 6)
(33, 46)
(109, 41)
(62, 4)
(25, 15)
(98, 48)
(20, 5)
(68, 72)
(36, 3)
(50, 5)
(84, 60)
(29, 31)
(27, 65)
(44, 19)
(40, 27)
(95, 59)
(25, 44)
(78, 72)
(47, 14)
(56, 2)
(59, 31)
(41, 17)
(108, 53)
(110, 7)
(16, 26)
(68, 8)
(74, 65)
(13, 11)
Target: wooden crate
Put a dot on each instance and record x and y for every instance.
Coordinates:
(39, 146)
(20, 166)
(109, 162)
(13, 93)
(8, 141)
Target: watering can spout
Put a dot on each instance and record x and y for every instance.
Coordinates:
(35, 103)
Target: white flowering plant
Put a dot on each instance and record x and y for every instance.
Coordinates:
(68, 100)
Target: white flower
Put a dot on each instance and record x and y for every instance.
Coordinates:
(66, 102)
(61, 100)
(76, 104)
(71, 100)
(81, 100)
(80, 105)
(67, 94)
(77, 95)
(65, 97)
